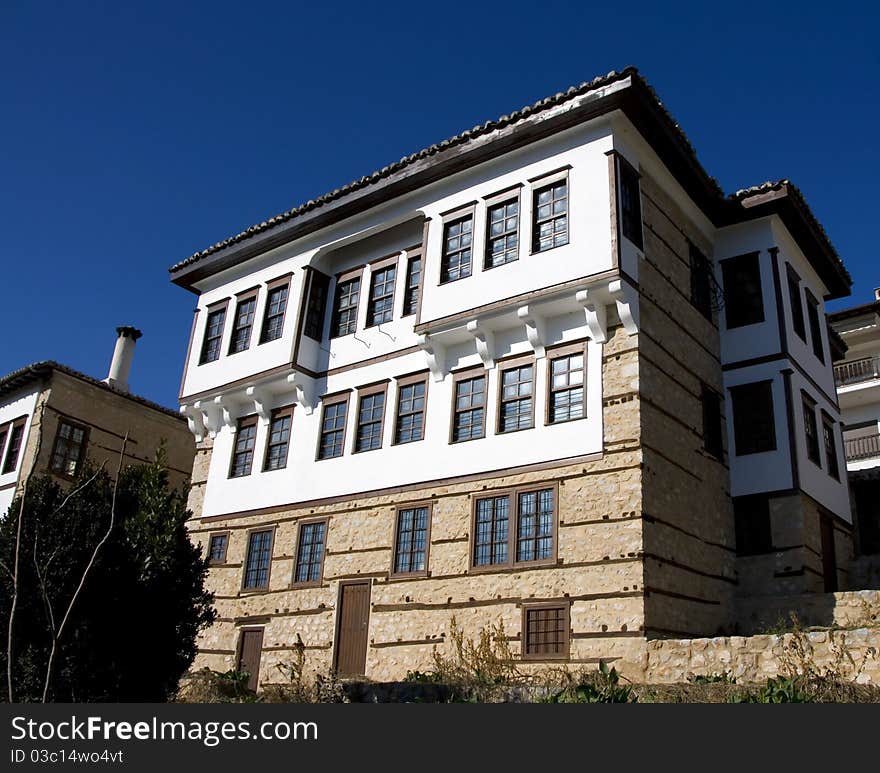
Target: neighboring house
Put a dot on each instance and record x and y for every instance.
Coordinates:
(858, 390)
(543, 372)
(53, 418)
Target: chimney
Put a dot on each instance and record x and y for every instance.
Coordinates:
(877, 293)
(122, 357)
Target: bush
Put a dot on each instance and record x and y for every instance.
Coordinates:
(602, 686)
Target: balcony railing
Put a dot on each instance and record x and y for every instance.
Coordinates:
(865, 447)
(857, 371)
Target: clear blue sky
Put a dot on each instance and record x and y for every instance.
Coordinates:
(132, 135)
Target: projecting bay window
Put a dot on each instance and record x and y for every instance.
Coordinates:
(828, 435)
(567, 384)
(469, 408)
(333, 418)
(550, 211)
(412, 536)
(278, 440)
(213, 333)
(345, 304)
(276, 307)
(545, 631)
(502, 229)
(409, 425)
(754, 429)
(380, 307)
(796, 302)
(310, 549)
(69, 448)
(413, 284)
(245, 309)
(13, 449)
(370, 417)
(316, 307)
(630, 202)
(743, 299)
(811, 431)
(258, 561)
(815, 328)
(243, 447)
(458, 232)
(516, 405)
(516, 527)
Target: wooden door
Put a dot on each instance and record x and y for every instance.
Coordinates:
(250, 644)
(829, 559)
(352, 620)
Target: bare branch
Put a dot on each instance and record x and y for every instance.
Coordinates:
(14, 592)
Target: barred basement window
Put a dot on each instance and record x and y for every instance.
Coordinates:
(828, 435)
(411, 540)
(469, 416)
(316, 309)
(567, 385)
(16, 436)
(69, 449)
(515, 405)
(550, 216)
(701, 282)
(712, 435)
(457, 243)
(743, 299)
(545, 631)
(217, 551)
(278, 442)
(381, 306)
(345, 307)
(310, 552)
(243, 449)
(811, 431)
(796, 302)
(243, 324)
(502, 233)
(491, 531)
(213, 335)
(754, 429)
(371, 412)
(333, 429)
(273, 316)
(630, 202)
(410, 424)
(258, 561)
(413, 283)
(815, 328)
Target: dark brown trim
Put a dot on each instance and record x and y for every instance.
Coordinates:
(243, 422)
(421, 377)
(561, 171)
(425, 234)
(613, 186)
(215, 305)
(513, 193)
(459, 211)
(392, 259)
(286, 368)
(82, 452)
(380, 387)
(338, 622)
(566, 642)
(512, 363)
(220, 561)
(777, 291)
(244, 566)
(465, 375)
(537, 184)
(189, 346)
(280, 281)
(554, 353)
(392, 574)
(302, 308)
(327, 401)
(278, 413)
(299, 528)
(246, 294)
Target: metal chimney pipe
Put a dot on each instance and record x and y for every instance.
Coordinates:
(123, 354)
(877, 293)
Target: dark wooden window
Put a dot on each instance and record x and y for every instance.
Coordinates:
(815, 328)
(310, 552)
(567, 385)
(217, 551)
(259, 559)
(371, 411)
(4, 433)
(796, 302)
(381, 305)
(16, 438)
(752, 521)
(526, 535)
(502, 233)
(811, 431)
(516, 406)
(712, 435)
(213, 336)
(410, 423)
(550, 216)
(457, 249)
(243, 448)
(316, 308)
(345, 307)
(469, 413)
(630, 203)
(701, 282)
(278, 441)
(243, 324)
(69, 449)
(273, 316)
(411, 540)
(828, 435)
(413, 283)
(545, 631)
(332, 440)
(743, 300)
(754, 428)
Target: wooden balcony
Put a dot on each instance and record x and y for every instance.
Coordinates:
(857, 371)
(865, 447)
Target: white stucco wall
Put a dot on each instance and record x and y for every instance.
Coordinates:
(14, 407)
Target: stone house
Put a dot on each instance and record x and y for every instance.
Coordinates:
(544, 372)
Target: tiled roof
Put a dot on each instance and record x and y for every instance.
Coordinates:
(854, 311)
(38, 371)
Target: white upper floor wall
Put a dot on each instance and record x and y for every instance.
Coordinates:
(16, 410)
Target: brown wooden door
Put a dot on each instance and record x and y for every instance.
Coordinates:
(352, 620)
(249, 647)
(829, 559)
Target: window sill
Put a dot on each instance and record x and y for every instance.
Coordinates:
(453, 281)
(466, 440)
(305, 585)
(253, 591)
(549, 423)
(395, 576)
(549, 249)
(506, 263)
